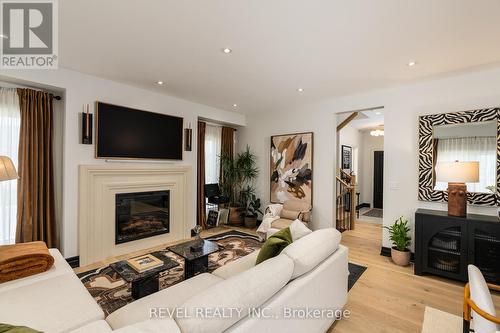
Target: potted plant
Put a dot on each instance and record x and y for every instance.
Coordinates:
(237, 174)
(252, 206)
(399, 235)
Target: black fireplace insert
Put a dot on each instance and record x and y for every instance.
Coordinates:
(141, 214)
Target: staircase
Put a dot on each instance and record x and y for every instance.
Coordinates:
(345, 201)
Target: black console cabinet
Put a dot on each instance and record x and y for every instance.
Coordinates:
(445, 245)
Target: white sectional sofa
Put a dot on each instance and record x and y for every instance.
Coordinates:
(274, 296)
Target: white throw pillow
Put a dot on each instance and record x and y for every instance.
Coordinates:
(298, 230)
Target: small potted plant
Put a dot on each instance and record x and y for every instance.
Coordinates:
(399, 235)
(252, 208)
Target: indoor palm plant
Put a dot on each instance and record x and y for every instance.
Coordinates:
(401, 240)
(237, 177)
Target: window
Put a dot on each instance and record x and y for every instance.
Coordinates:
(213, 134)
(481, 149)
(10, 122)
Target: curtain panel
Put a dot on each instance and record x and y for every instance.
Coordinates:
(200, 193)
(35, 192)
(10, 119)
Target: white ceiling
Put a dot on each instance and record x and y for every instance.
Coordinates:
(328, 47)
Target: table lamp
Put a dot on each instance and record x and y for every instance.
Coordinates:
(7, 169)
(457, 174)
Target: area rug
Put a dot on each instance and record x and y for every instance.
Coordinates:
(111, 292)
(439, 321)
(355, 272)
(375, 212)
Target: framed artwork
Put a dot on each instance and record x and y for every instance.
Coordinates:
(346, 158)
(291, 167)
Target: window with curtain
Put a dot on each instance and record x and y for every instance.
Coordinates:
(10, 122)
(468, 149)
(213, 134)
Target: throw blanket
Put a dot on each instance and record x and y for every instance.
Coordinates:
(273, 213)
(24, 259)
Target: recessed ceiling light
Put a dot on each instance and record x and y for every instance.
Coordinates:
(412, 63)
(160, 83)
(300, 89)
(235, 105)
(227, 50)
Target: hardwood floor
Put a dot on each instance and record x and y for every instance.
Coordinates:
(389, 298)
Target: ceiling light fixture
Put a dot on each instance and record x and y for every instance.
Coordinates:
(227, 50)
(3, 36)
(300, 89)
(377, 132)
(235, 105)
(412, 63)
(160, 83)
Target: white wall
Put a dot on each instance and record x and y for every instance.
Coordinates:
(80, 89)
(369, 145)
(402, 106)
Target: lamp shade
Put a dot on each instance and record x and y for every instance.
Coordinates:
(7, 169)
(457, 172)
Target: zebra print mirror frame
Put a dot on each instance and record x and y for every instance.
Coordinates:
(426, 191)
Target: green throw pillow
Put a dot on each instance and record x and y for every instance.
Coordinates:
(274, 245)
(6, 328)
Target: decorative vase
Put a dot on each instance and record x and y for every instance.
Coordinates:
(236, 216)
(250, 221)
(400, 258)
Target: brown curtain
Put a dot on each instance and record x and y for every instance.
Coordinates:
(200, 211)
(35, 190)
(227, 145)
(227, 141)
(435, 143)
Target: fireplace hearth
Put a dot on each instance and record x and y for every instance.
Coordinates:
(141, 214)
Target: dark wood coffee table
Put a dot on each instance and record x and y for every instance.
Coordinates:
(147, 282)
(195, 261)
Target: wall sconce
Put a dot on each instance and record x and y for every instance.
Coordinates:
(87, 126)
(188, 138)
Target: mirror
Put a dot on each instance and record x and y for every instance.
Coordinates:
(467, 142)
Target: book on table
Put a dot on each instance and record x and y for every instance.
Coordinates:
(144, 263)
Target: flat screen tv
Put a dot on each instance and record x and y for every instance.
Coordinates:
(125, 133)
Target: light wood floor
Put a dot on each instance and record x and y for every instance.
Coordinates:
(389, 298)
(386, 298)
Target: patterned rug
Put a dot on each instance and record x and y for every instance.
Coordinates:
(375, 212)
(111, 292)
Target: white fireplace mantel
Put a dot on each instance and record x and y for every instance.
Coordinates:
(99, 185)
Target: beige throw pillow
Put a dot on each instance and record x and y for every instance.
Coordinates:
(289, 214)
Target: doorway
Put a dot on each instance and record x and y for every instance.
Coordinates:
(378, 179)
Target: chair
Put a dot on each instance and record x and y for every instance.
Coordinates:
(292, 210)
(478, 304)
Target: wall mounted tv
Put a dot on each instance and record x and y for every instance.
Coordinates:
(125, 133)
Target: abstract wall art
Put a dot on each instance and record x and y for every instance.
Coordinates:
(291, 167)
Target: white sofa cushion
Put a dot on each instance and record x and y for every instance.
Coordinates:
(100, 326)
(308, 251)
(60, 267)
(167, 325)
(298, 230)
(237, 266)
(168, 298)
(59, 304)
(243, 292)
